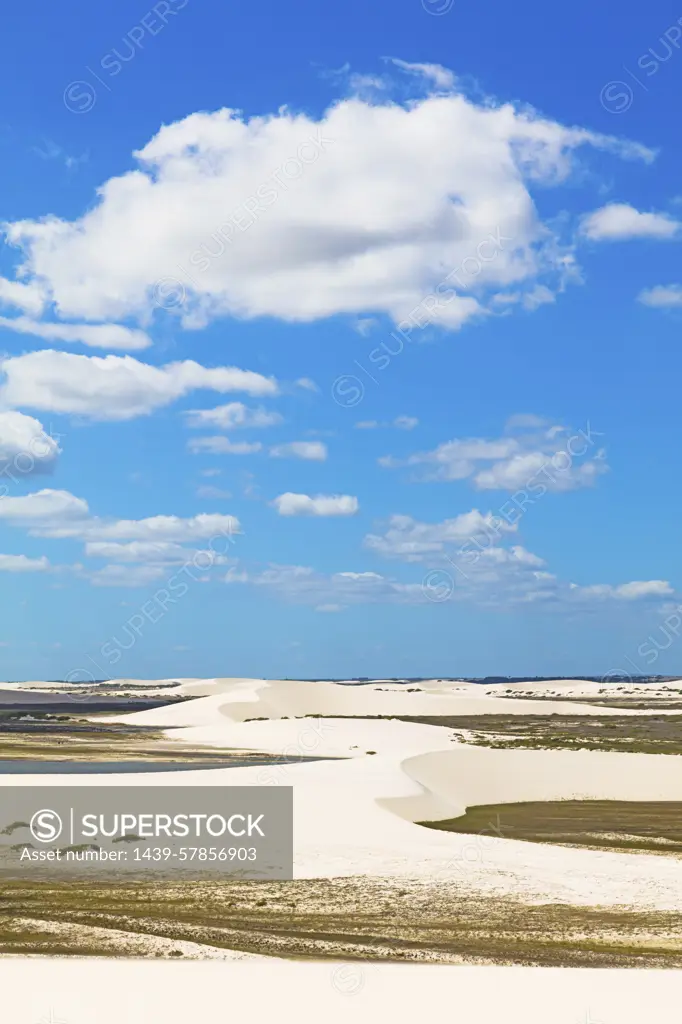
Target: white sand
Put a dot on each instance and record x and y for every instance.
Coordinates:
(588, 688)
(67, 991)
(240, 699)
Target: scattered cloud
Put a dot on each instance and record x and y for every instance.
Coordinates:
(154, 529)
(322, 505)
(627, 591)
(549, 457)
(231, 416)
(347, 234)
(49, 150)
(113, 387)
(313, 451)
(307, 384)
(662, 296)
(25, 447)
(405, 422)
(412, 541)
(60, 514)
(303, 585)
(619, 222)
(20, 563)
(151, 553)
(501, 577)
(220, 445)
(94, 335)
(43, 508)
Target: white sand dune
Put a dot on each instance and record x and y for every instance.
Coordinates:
(121, 684)
(241, 699)
(587, 688)
(559, 688)
(356, 815)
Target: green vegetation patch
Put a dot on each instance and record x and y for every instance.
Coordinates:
(632, 734)
(651, 826)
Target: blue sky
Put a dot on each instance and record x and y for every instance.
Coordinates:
(340, 340)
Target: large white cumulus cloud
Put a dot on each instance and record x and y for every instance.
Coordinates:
(366, 209)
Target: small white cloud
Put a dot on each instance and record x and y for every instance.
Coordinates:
(314, 451)
(25, 447)
(43, 507)
(21, 563)
(232, 415)
(439, 76)
(413, 541)
(114, 387)
(620, 221)
(307, 384)
(290, 504)
(662, 296)
(94, 335)
(405, 422)
(152, 553)
(634, 591)
(538, 296)
(329, 608)
(548, 458)
(59, 514)
(220, 445)
(644, 588)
